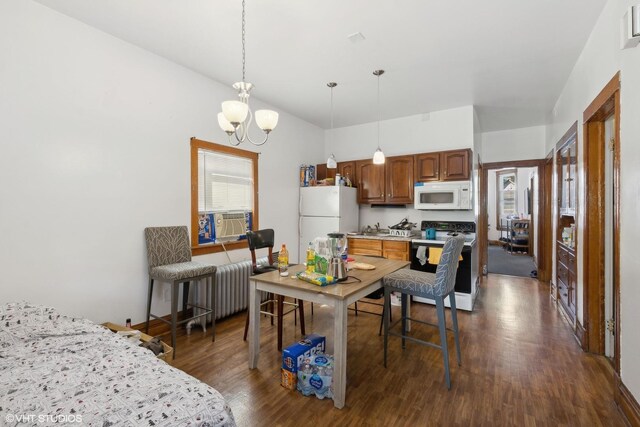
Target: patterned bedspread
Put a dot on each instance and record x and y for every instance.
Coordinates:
(60, 370)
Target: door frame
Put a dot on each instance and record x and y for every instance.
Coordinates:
(545, 265)
(607, 103)
(483, 221)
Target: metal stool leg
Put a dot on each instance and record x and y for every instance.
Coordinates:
(442, 326)
(174, 316)
(404, 301)
(387, 305)
(214, 312)
(185, 298)
(454, 319)
(146, 329)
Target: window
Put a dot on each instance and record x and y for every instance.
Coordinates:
(224, 202)
(506, 197)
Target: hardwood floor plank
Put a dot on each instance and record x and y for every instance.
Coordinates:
(520, 366)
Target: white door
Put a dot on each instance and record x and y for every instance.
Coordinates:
(609, 315)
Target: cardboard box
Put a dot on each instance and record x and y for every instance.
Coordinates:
(288, 379)
(293, 355)
(143, 337)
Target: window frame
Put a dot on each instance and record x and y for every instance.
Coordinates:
(510, 171)
(197, 144)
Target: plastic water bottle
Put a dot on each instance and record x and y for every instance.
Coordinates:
(283, 261)
(311, 259)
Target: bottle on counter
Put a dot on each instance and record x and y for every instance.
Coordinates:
(283, 261)
(338, 179)
(311, 259)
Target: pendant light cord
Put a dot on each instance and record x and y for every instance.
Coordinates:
(331, 86)
(378, 111)
(243, 48)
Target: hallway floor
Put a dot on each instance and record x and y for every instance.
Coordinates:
(521, 365)
(501, 261)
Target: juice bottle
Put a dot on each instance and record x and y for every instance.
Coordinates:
(283, 261)
(311, 259)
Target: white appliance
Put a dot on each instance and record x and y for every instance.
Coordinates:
(323, 210)
(453, 195)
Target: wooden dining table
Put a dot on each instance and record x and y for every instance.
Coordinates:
(339, 296)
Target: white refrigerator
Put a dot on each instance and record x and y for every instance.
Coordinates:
(323, 210)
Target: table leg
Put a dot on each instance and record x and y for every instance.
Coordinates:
(254, 324)
(340, 354)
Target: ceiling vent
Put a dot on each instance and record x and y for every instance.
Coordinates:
(630, 33)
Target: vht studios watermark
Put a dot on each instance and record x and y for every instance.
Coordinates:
(42, 418)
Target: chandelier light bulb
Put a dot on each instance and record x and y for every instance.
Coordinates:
(267, 120)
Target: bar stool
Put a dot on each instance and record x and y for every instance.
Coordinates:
(436, 286)
(169, 256)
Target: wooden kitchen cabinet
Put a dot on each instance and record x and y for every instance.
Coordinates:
(390, 183)
(451, 165)
(455, 165)
(390, 249)
(348, 169)
(399, 179)
(372, 247)
(371, 182)
(427, 167)
(394, 249)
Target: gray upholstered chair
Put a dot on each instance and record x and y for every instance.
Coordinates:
(169, 256)
(437, 287)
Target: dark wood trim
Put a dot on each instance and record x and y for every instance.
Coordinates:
(627, 404)
(581, 335)
(545, 253)
(196, 144)
(515, 164)
(593, 246)
(482, 228)
(602, 105)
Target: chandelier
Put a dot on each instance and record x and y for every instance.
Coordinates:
(236, 116)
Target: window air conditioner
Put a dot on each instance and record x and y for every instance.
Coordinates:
(230, 225)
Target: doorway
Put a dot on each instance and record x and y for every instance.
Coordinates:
(509, 225)
(601, 251)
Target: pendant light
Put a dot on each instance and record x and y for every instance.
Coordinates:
(378, 156)
(236, 116)
(331, 161)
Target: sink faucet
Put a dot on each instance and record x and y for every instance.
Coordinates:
(377, 226)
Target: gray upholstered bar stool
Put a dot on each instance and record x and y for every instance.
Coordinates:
(169, 256)
(436, 286)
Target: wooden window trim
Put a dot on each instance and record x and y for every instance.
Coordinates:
(498, 173)
(197, 144)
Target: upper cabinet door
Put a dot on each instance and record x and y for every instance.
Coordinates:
(371, 182)
(455, 165)
(427, 167)
(399, 176)
(348, 170)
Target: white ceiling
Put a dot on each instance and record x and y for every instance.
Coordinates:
(510, 58)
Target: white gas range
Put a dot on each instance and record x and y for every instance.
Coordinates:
(467, 276)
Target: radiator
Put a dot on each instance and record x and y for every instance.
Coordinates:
(232, 290)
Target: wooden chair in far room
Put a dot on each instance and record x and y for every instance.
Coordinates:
(169, 257)
(437, 287)
(261, 239)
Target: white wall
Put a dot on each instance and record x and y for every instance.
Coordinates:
(514, 144)
(436, 131)
(600, 59)
(95, 147)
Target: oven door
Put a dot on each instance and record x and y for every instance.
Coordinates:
(463, 276)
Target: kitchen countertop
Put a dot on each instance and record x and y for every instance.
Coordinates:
(383, 237)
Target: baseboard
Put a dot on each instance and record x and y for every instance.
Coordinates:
(581, 335)
(627, 403)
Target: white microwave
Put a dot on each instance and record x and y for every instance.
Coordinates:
(453, 195)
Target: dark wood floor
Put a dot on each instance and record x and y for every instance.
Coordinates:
(520, 366)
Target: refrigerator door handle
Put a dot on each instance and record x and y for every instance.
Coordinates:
(300, 204)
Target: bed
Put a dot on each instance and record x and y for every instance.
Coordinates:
(55, 368)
